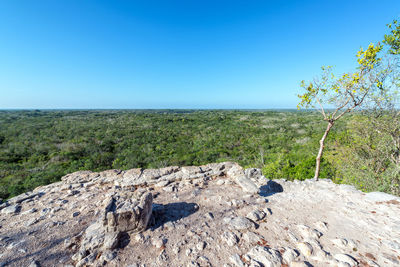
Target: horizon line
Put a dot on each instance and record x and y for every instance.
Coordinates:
(94, 109)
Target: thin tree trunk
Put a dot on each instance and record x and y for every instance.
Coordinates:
(321, 150)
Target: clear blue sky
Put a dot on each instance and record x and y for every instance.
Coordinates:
(177, 54)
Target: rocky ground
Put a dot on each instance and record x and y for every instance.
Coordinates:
(212, 215)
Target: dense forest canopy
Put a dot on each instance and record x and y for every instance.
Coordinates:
(38, 147)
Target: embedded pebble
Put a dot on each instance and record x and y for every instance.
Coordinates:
(251, 237)
(188, 251)
(162, 183)
(289, 255)
(201, 245)
(220, 182)
(265, 256)
(230, 238)
(256, 215)
(346, 258)
(238, 223)
(159, 242)
(13, 209)
(30, 211)
(305, 248)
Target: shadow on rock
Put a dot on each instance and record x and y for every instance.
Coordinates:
(270, 188)
(171, 212)
(124, 240)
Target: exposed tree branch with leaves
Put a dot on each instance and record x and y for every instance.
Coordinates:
(335, 96)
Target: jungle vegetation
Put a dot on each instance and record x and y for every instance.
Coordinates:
(38, 147)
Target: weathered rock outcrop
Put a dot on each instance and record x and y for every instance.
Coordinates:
(212, 215)
(123, 213)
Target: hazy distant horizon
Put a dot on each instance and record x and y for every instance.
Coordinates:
(144, 109)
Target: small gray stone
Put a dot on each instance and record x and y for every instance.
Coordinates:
(30, 211)
(239, 223)
(251, 237)
(289, 255)
(203, 259)
(253, 173)
(162, 183)
(169, 225)
(266, 256)
(220, 182)
(72, 193)
(111, 240)
(31, 221)
(237, 202)
(308, 232)
(247, 184)
(230, 238)
(109, 255)
(13, 209)
(305, 248)
(346, 258)
(170, 189)
(256, 215)
(159, 242)
(188, 251)
(139, 237)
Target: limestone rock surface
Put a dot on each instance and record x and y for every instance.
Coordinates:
(212, 215)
